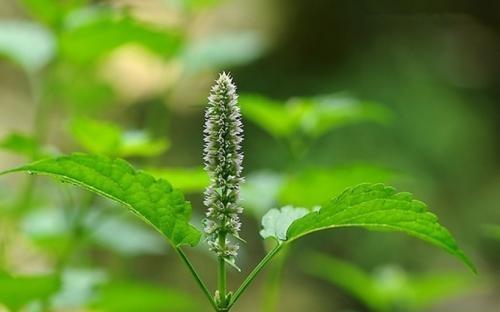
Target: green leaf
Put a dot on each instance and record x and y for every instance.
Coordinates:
(378, 207)
(21, 144)
(128, 296)
(153, 200)
(16, 292)
(96, 37)
(141, 144)
(314, 186)
(104, 138)
(189, 180)
(17, 42)
(51, 12)
(96, 137)
(310, 116)
(275, 222)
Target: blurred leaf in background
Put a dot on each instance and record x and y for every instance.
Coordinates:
(105, 138)
(17, 292)
(93, 33)
(26, 43)
(310, 116)
(389, 288)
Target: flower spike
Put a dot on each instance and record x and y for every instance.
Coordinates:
(223, 157)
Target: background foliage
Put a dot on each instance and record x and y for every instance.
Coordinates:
(333, 93)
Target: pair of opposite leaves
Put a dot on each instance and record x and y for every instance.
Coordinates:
(371, 206)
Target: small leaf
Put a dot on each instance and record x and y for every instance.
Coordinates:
(379, 207)
(17, 39)
(275, 222)
(153, 200)
(21, 144)
(96, 137)
(141, 144)
(16, 292)
(105, 138)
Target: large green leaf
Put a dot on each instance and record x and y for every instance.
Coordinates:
(378, 207)
(16, 292)
(153, 200)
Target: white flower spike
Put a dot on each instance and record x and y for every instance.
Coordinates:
(223, 157)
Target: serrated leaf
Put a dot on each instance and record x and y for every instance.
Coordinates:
(17, 39)
(153, 200)
(275, 222)
(310, 116)
(378, 207)
(16, 292)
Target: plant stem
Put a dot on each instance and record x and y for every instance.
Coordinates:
(254, 273)
(197, 277)
(222, 274)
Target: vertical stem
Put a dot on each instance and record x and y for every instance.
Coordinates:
(222, 274)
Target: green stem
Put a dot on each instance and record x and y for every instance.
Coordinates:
(222, 274)
(197, 277)
(254, 274)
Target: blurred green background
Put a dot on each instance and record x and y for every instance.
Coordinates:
(333, 93)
